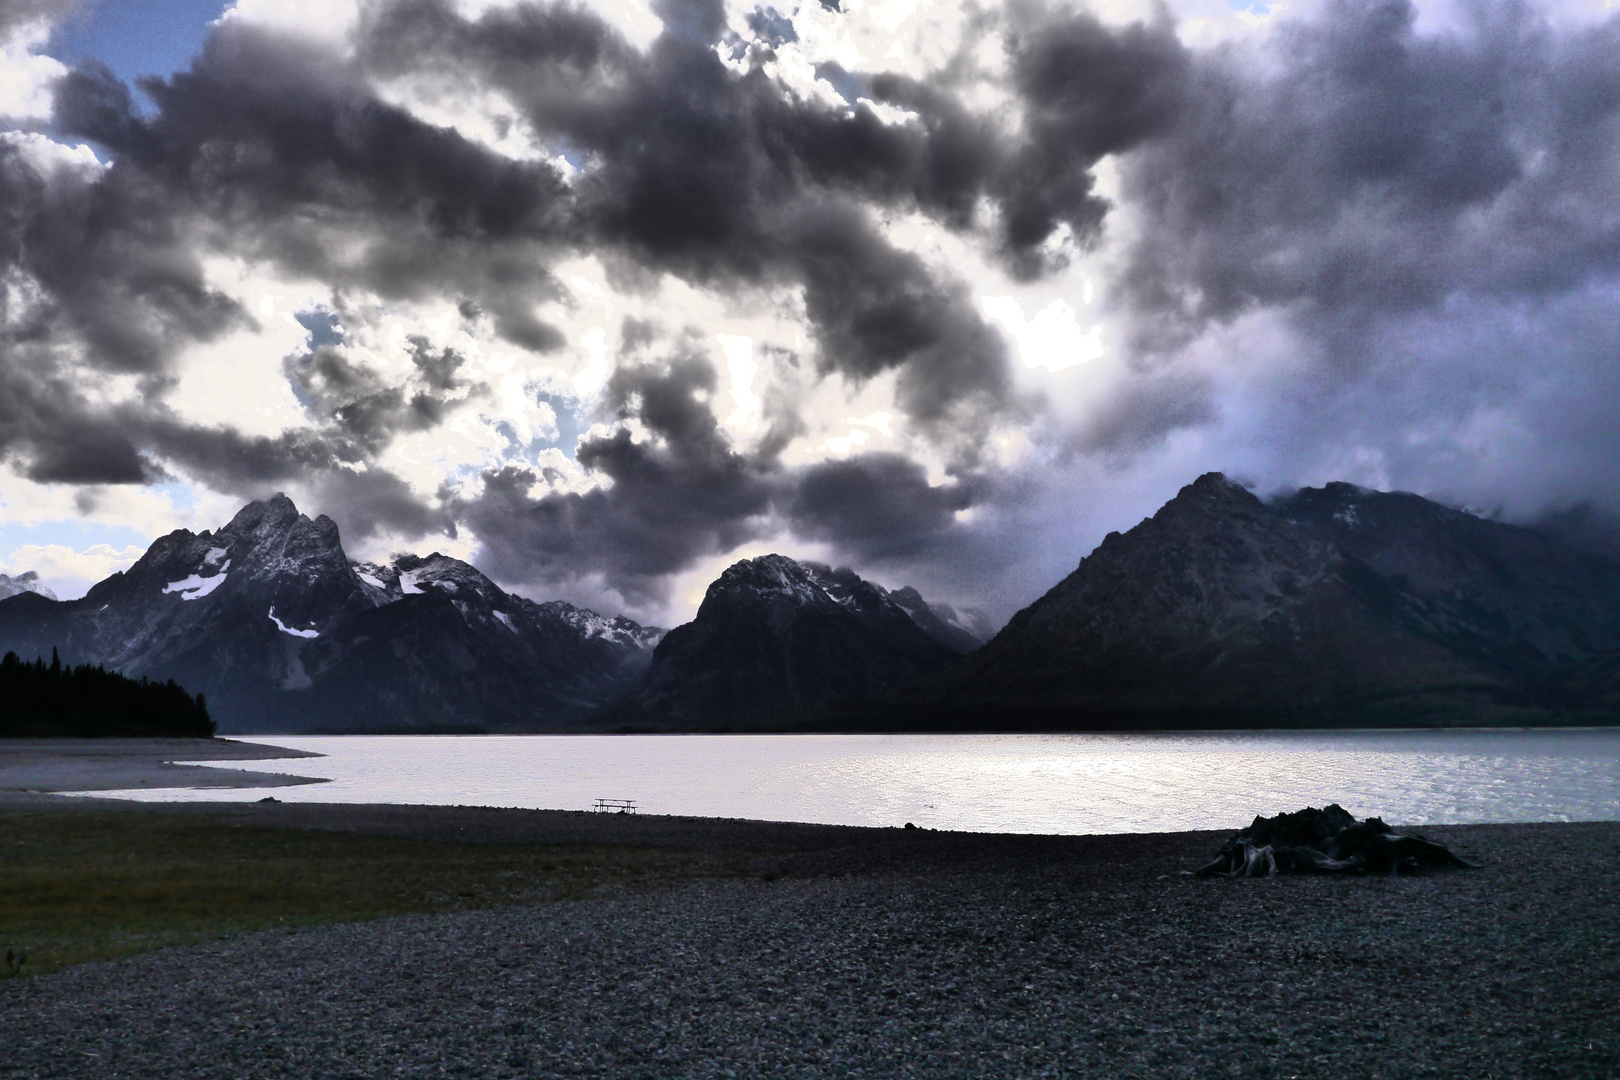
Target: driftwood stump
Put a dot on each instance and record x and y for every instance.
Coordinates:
(1327, 841)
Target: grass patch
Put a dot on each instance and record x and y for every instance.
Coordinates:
(76, 886)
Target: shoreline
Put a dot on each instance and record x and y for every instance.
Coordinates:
(50, 766)
(974, 732)
(487, 824)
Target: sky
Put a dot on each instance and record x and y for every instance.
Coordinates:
(605, 296)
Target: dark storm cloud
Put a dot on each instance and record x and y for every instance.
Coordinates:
(771, 26)
(1136, 413)
(267, 150)
(51, 434)
(1380, 171)
(1087, 91)
(1371, 185)
(287, 155)
(678, 493)
(1431, 214)
(675, 490)
(115, 270)
(371, 410)
(275, 150)
(878, 308)
(875, 507)
(363, 499)
(91, 263)
(82, 267)
(726, 181)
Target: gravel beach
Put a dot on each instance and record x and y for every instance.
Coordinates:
(885, 953)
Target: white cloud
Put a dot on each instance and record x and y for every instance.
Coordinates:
(25, 76)
(1051, 339)
(70, 573)
(328, 21)
(742, 367)
(239, 380)
(148, 511)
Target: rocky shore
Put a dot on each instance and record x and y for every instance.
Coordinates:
(885, 953)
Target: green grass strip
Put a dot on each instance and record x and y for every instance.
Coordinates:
(76, 886)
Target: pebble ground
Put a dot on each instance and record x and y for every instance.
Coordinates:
(884, 953)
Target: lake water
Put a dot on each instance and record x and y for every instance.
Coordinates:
(991, 783)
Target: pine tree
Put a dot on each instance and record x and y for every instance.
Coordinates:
(37, 700)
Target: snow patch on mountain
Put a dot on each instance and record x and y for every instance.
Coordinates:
(814, 584)
(285, 629)
(196, 586)
(375, 583)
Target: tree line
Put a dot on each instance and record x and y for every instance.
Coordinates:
(40, 699)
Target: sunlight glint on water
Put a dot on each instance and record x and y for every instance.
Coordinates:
(1001, 783)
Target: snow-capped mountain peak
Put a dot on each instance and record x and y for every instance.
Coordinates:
(777, 578)
(27, 581)
(269, 618)
(773, 633)
(589, 624)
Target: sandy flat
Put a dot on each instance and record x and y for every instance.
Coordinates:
(49, 765)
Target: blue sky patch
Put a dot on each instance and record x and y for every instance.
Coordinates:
(152, 37)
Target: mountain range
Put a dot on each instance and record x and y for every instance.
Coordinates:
(1330, 606)
(282, 632)
(270, 619)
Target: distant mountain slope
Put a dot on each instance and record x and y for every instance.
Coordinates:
(1334, 605)
(27, 581)
(961, 632)
(775, 635)
(269, 618)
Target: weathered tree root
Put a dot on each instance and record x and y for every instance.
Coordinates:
(1327, 841)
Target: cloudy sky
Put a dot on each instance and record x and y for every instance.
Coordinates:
(605, 296)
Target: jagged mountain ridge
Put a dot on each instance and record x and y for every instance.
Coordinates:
(270, 618)
(1333, 605)
(775, 635)
(959, 631)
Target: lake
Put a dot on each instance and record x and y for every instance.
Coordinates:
(990, 783)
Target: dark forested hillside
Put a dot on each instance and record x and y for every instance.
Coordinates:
(40, 699)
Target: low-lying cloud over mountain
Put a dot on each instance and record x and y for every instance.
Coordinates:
(605, 298)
